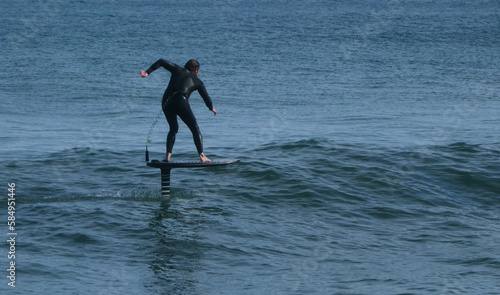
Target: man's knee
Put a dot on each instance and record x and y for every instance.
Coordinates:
(173, 130)
(194, 129)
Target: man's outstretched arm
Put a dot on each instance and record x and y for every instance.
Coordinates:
(159, 63)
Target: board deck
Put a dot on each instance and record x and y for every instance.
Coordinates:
(190, 164)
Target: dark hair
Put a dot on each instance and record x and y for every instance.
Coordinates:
(192, 65)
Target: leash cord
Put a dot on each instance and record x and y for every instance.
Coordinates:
(148, 140)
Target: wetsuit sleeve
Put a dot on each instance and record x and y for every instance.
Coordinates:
(161, 63)
(204, 94)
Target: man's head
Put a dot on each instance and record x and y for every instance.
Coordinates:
(193, 66)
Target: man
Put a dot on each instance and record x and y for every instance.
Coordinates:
(175, 101)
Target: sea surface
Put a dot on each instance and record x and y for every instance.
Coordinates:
(368, 134)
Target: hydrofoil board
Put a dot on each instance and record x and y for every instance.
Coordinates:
(190, 164)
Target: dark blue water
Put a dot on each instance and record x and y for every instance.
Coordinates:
(368, 134)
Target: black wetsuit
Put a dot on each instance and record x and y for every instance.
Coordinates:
(175, 101)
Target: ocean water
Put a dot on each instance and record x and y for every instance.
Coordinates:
(368, 134)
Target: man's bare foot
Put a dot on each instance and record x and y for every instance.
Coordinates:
(167, 157)
(204, 159)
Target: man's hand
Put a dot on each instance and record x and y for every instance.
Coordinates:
(144, 74)
(213, 111)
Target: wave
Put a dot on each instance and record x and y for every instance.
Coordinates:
(309, 172)
(426, 174)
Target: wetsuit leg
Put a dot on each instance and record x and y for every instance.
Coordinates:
(171, 116)
(186, 114)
